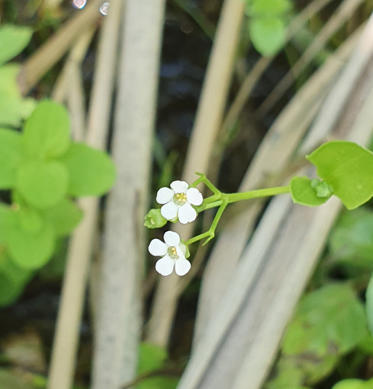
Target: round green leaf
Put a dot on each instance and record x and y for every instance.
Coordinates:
(30, 219)
(91, 171)
(47, 130)
(303, 193)
(348, 169)
(268, 7)
(64, 216)
(30, 250)
(354, 384)
(268, 34)
(13, 39)
(7, 220)
(42, 184)
(10, 156)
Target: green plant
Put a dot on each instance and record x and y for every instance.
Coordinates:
(267, 24)
(45, 171)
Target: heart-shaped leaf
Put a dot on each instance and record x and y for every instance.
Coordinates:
(47, 130)
(91, 171)
(42, 184)
(348, 169)
(13, 39)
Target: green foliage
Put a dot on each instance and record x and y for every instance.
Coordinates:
(305, 192)
(10, 157)
(47, 131)
(354, 384)
(13, 108)
(152, 358)
(91, 172)
(42, 167)
(351, 240)
(13, 39)
(328, 323)
(267, 24)
(348, 169)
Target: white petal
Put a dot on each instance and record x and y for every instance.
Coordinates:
(164, 195)
(165, 266)
(182, 266)
(187, 213)
(169, 210)
(179, 186)
(171, 238)
(157, 248)
(194, 196)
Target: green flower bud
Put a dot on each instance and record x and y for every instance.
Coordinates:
(322, 189)
(154, 219)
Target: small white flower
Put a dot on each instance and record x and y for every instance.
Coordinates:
(178, 201)
(172, 253)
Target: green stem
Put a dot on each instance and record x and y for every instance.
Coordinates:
(234, 197)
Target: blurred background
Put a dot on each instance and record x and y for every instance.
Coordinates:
(240, 90)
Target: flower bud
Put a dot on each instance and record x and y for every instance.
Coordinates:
(154, 219)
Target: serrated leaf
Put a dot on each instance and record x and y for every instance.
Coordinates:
(268, 7)
(10, 157)
(13, 108)
(64, 216)
(13, 39)
(30, 250)
(47, 130)
(42, 184)
(348, 169)
(91, 171)
(268, 34)
(12, 280)
(354, 384)
(303, 193)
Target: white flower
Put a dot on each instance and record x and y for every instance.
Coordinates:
(172, 253)
(178, 201)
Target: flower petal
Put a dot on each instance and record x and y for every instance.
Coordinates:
(194, 196)
(179, 186)
(164, 195)
(187, 213)
(171, 238)
(169, 210)
(165, 266)
(182, 266)
(157, 248)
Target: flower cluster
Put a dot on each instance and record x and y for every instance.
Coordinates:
(177, 204)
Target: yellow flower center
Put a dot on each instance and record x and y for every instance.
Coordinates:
(180, 198)
(172, 252)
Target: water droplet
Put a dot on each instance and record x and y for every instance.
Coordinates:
(104, 9)
(80, 4)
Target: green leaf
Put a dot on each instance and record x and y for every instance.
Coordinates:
(348, 169)
(369, 304)
(351, 240)
(268, 7)
(47, 131)
(92, 172)
(42, 184)
(268, 34)
(330, 317)
(10, 156)
(354, 384)
(30, 250)
(7, 219)
(303, 193)
(13, 39)
(12, 280)
(30, 220)
(64, 217)
(13, 108)
(154, 219)
(152, 357)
